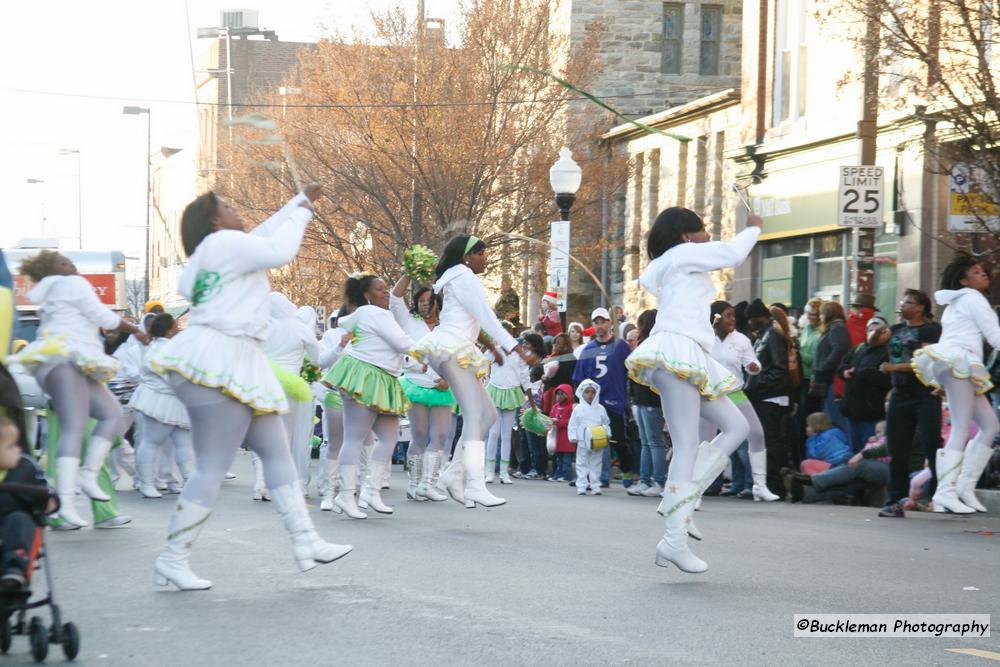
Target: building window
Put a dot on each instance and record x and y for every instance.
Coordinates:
(791, 57)
(673, 30)
(711, 26)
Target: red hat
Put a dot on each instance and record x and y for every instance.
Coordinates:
(551, 297)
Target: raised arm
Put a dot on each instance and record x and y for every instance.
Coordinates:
(702, 257)
(986, 320)
(250, 252)
(270, 226)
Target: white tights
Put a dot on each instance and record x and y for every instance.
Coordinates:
(501, 431)
(76, 398)
(756, 435)
(155, 433)
(359, 421)
(333, 422)
(683, 406)
(429, 428)
(966, 407)
(478, 411)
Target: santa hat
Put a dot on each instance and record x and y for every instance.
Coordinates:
(551, 297)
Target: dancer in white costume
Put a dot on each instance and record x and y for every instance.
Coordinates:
(161, 415)
(451, 350)
(218, 370)
(334, 344)
(289, 342)
(509, 388)
(69, 363)
(955, 364)
(676, 361)
(431, 401)
(368, 378)
(735, 352)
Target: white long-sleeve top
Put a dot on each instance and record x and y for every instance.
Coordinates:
(147, 376)
(378, 340)
(130, 355)
(226, 278)
(680, 277)
(967, 320)
(415, 328)
(466, 309)
(513, 373)
(736, 355)
(289, 340)
(71, 310)
(330, 349)
(586, 415)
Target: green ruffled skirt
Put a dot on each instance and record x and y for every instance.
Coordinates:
(506, 399)
(429, 396)
(369, 385)
(295, 387)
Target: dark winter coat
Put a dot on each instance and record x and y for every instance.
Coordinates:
(865, 392)
(772, 381)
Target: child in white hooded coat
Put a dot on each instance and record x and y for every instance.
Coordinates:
(587, 414)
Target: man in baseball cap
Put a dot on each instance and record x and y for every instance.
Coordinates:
(549, 314)
(603, 361)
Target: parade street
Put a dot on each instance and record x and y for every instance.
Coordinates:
(549, 578)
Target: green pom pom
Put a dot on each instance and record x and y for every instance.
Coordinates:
(534, 420)
(418, 263)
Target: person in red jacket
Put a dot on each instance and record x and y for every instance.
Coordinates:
(862, 310)
(549, 314)
(565, 450)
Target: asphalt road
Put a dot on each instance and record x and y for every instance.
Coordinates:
(551, 578)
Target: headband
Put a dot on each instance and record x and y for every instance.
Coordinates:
(470, 244)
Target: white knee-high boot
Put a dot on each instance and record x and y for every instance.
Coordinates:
(977, 455)
(708, 464)
(329, 476)
(452, 479)
(426, 490)
(758, 469)
(371, 494)
(949, 465)
(260, 491)
(66, 469)
(414, 467)
(474, 460)
(345, 500)
(307, 547)
(97, 453)
(172, 564)
(145, 475)
(673, 548)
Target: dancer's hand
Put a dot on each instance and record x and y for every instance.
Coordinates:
(346, 338)
(753, 367)
(754, 220)
(141, 337)
(441, 384)
(498, 356)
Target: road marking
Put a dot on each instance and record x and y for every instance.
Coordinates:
(979, 653)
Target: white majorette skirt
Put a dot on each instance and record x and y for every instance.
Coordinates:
(930, 362)
(56, 348)
(233, 364)
(164, 408)
(438, 346)
(683, 357)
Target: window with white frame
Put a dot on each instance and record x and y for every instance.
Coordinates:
(791, 57)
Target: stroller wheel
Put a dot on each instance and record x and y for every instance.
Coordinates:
(71, 641)
(5, 635)
(39, 636)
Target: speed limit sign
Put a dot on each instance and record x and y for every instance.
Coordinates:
(860, 196)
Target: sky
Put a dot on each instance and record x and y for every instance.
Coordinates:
(69, 68)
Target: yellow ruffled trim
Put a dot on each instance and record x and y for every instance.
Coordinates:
(257, 408)
(982, 382)
(466, 354)
(54, 347)
(696, 375)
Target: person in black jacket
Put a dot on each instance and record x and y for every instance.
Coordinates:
(834, 343)
(768, 390)
(866, 385)
(24, 496)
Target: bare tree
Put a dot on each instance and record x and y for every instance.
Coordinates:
(415, 140)
(135, 289)
(937, 60)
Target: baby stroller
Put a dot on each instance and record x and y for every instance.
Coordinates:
(15, 604)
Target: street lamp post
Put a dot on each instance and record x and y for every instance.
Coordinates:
(135, 111)
(564, 177)
(79, 192)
